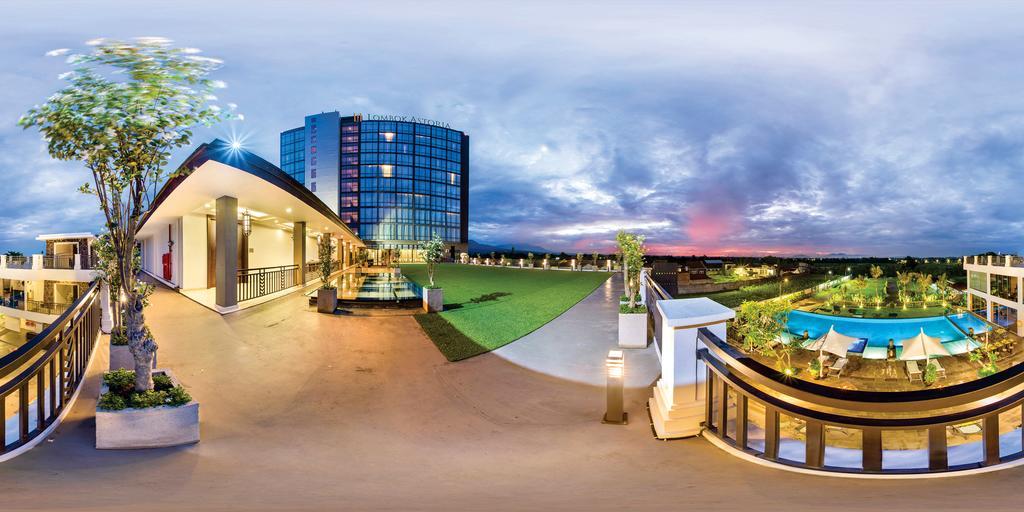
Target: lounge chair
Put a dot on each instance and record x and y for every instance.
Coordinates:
(913, 372)
(940, 372)
(837, 368)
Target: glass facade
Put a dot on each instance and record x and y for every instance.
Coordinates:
(293, 154)
(400, 182)
(410, 181)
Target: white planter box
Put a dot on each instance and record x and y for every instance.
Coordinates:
(633, 330)
(153, 427)
(121, 357)
(433, 300)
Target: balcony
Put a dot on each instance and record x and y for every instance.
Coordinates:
(43, 262)
(1007, 260)
(36, 306)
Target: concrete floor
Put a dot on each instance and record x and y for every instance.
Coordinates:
(302, 411)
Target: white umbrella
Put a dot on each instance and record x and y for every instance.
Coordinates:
(833, 342)
(922, 346)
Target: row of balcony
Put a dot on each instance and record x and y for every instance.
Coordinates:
(1008, 260)
(40, 261)
(36, 306)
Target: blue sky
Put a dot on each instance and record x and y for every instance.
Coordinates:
(726, 128)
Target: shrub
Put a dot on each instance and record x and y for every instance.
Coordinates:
(119, 336)
(120, 381)
(931, 374)
(177, 396)
(147, 398)
(111, 402)
(162, 382)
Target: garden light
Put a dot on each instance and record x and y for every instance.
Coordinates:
(615, 366)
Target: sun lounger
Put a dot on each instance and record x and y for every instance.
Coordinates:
(837, 368)
(913, 372)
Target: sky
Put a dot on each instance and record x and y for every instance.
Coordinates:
(728, 128)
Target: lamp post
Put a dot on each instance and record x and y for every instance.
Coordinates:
(616, 368)
(784, 280)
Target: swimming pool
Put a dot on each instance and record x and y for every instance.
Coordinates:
(878, 331)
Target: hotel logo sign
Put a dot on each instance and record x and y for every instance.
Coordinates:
(408, 119)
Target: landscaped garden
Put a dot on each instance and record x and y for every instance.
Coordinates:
(764, 289)
(489, 307)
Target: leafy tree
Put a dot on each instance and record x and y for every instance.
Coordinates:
(529, 259)
(17, 254)
(325, 260)
(596, 256)
(433, 251)
(126, 107)
(631, 246)
(761, 326)
(876, 271)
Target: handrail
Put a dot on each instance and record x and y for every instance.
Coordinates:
(25, 352)
(955, 395)
(66, 346)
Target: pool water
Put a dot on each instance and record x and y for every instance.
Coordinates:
(878, 331)
(375, 287)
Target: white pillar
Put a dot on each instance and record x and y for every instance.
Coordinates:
(677, 407)
(106, 311)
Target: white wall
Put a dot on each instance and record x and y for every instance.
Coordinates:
(193, 251)
(311, 250)
(154, 248)
(269, 247)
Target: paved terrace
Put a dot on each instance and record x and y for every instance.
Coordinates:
(303, 411)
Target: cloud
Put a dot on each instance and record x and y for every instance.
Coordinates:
(731, 128)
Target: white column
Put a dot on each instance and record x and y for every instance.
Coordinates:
(677, 407)
(78, 262)
(106, 311)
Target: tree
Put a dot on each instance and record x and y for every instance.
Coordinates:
(433, 251)
(529, 259)
(579, 261)
(631, 246)
(596, 256)
(18, 254)
(876, 272)
(325, 259)
(762, 327)
(126, 107)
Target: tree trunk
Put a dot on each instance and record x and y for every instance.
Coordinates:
(141, 346)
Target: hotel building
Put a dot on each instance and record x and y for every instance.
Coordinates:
(994, 289)
(393, 180)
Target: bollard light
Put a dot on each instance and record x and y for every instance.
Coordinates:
(616, 368)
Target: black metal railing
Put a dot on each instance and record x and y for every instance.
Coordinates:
(23, 262)
(59, 261)
(42, 376)
(257, 282)
(48, 308)
(754, 409)
(654, 293)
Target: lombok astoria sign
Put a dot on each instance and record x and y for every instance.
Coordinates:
(407, 119)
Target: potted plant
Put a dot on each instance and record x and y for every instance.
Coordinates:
(433, 296)
(931, 373)
(632, 314)
(327, 294)
(163, 416)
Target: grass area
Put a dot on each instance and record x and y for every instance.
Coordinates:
(764, 290)
(489, 307)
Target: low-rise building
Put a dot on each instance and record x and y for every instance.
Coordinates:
(36, 289)
(994, 289)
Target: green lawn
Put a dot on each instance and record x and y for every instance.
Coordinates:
(489, 307)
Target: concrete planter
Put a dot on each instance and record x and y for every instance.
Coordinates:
(326, 300)
(152, 427)
(433, 300)
(633, 330)
(121, 357)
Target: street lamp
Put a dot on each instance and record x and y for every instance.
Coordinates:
(784, 280)
(615, 365)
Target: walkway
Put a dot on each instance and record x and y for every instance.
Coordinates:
(311, 412)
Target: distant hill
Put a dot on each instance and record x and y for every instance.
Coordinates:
(477, 247)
